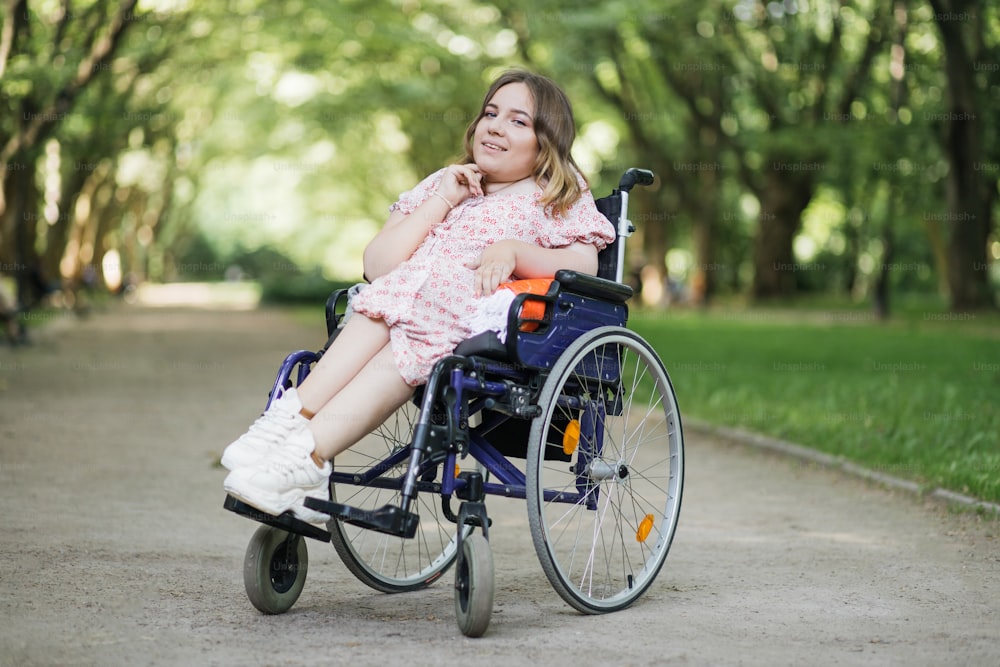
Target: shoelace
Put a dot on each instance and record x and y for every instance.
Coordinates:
(275, 424)
(293, 466)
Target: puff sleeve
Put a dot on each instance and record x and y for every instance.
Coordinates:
(581, 223)
(411, 199)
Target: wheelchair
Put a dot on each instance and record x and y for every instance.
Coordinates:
(573, 413)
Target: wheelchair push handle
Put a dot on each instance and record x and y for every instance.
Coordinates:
(634, 177)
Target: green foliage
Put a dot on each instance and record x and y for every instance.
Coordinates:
(281, 280)
(294, 125)
(310, 289)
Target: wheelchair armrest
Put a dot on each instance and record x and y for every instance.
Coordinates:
(573, 304)
(592, 286)
(336, 303)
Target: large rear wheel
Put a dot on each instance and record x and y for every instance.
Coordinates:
(602, 523)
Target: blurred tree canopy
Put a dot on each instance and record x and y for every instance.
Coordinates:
(801, 146)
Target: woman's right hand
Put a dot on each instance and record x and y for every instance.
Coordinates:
(459, 182)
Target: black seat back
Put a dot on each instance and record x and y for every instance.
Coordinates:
(607, 259)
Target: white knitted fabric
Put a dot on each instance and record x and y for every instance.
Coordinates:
(491, 314)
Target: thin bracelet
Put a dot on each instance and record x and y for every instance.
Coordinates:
(444, 199)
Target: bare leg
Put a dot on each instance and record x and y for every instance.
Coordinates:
(373, 394)
(360, 340)
(353, 389)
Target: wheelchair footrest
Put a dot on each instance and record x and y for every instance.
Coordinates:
(284, 521)
(389, 519)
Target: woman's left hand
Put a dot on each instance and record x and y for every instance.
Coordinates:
(495, 266)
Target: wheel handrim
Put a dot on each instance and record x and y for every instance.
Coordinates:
(603, 551)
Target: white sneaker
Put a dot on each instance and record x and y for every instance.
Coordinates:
(269, 432)
(281, 481)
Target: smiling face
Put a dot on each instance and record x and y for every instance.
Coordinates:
(504, 145)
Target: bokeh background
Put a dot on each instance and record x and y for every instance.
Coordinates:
(845, 152)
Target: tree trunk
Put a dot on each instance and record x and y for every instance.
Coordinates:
(58, 234)
(969, 220)
(785, 193)
(881, 292)
(8, 227)
(852, 252)
(653, 246)
(704, 276)
(32, 284)
(969, 196)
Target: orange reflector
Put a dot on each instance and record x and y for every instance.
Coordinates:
(457, 470)
(571, 437)
(645, 528)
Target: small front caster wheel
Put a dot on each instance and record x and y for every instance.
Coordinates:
(474, 586)
(274, 569)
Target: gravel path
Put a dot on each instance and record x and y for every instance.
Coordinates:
(116, 549)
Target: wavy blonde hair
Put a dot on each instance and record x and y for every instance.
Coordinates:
(555, 170)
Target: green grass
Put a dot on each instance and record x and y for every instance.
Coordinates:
(918, 398)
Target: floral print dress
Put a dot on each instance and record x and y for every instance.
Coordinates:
(428, 299)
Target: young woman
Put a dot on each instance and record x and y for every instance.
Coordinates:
(517, 207)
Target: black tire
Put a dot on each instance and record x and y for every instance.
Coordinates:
(474, 586)
(602, 541)
(387, 563)
(274, 569)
